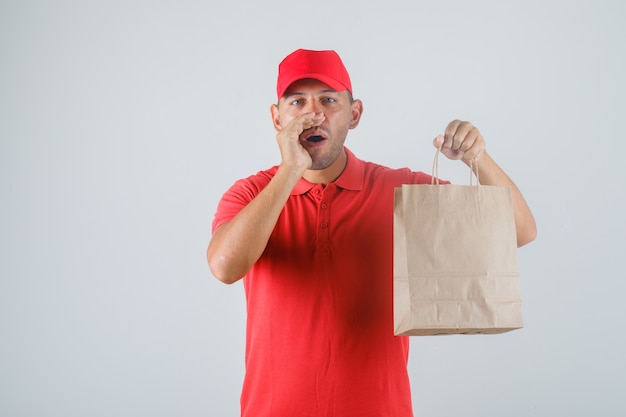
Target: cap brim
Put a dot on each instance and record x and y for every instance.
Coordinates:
(332, 83)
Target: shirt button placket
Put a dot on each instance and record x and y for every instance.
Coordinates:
(324, 226)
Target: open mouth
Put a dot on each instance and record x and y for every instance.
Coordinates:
(315, 138)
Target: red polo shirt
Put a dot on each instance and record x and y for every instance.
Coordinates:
(319, 300)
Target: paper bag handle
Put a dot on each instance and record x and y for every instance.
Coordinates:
(435, 177)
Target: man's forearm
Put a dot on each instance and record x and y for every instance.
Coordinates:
(491, 174)
(238, 244)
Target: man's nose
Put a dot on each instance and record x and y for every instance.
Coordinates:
(313, 106)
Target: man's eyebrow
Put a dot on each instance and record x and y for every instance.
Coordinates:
(300, 93)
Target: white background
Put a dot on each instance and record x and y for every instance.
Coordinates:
(122, 123)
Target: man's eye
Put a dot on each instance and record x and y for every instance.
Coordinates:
(329, 100)
(296, 102)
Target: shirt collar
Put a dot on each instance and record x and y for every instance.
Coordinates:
(350, 179)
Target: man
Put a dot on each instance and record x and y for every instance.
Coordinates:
(313, 239)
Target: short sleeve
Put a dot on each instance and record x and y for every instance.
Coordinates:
(239, 195)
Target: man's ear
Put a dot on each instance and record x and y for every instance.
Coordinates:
(275, 117)
(357, 111)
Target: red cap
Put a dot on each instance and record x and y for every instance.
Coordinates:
(325, 66)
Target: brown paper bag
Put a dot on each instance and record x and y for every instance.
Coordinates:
(455, 260)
